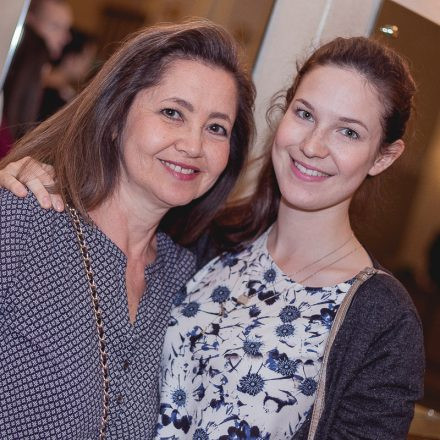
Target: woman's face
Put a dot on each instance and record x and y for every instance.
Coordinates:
(328, 140)
(177, 135)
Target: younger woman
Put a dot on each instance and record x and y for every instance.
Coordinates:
(300, 333)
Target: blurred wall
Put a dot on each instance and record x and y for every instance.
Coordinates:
(424, 217)
(245, 19)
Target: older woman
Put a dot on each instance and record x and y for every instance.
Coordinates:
(85, 294)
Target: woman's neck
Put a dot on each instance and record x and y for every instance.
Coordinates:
(309, 231)
(130, 224)
(302, 243)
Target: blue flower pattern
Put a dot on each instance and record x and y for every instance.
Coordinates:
(243, 351)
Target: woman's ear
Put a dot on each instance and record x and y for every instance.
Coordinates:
(387, 158)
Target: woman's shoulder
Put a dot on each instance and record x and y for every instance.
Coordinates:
(178, 258)
(386, 288)
(211, 268)
(166, 242)
(9, 201)
(20, 214)
(23, 225)
(381, 319)
(19, 209)
(384, 300)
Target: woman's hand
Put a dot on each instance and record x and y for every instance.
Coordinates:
(36, 176)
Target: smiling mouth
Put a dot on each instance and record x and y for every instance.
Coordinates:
(308, 171)
(178, 168)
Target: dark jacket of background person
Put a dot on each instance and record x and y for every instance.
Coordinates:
(68, 74)
(23, 86)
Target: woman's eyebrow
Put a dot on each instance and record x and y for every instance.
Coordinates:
(184, 103)
(220, 115)
(342, 118)
(306, 103)
(353, 121)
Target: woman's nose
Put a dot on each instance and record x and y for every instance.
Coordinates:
(315, 144)
(190, 143)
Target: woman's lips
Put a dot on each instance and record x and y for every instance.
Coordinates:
(180, 170)
(308, 173)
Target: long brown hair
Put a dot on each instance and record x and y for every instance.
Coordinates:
(83, 140)
(385, 70)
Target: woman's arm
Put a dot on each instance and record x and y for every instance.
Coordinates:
(379, 398)
(15, 220)
(36, 176)
(376, 366)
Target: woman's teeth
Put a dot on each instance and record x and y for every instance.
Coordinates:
(178, 168)
(308, 172)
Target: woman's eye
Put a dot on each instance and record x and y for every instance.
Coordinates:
(171, 113)
(350, 133)
(218, 129)
(304, 114)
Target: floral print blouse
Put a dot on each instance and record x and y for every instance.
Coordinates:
(243, 350)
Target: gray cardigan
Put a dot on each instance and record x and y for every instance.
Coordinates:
(375, 368)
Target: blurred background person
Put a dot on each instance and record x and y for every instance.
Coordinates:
(45, 34)
(51, 20)
(67, 74)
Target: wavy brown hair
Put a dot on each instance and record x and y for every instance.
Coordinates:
(383, 68)
(83, 140)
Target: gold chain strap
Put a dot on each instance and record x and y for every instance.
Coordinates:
(98, 318)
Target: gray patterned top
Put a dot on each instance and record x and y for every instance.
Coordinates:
(244, 349)
(50, 378)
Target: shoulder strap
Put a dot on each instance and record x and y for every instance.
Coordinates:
(318, 407)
